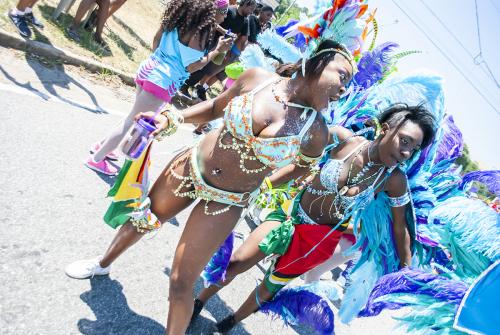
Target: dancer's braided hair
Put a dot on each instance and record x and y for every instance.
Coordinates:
(191, 16)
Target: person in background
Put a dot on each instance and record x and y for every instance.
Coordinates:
(22, 16)
(180, 47)
(96, 13)
(259, 23)
(106, 9)
(237, 22)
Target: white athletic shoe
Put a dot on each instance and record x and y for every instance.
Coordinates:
(87, 268)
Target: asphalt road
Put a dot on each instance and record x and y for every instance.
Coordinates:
(51, 210)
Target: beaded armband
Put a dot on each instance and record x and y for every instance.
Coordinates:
(143, 219)
(399, 201)
(174, 119)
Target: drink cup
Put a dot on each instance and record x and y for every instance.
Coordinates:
(138, 138)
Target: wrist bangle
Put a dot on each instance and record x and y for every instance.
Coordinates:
(165, 114)
(174, 119)
(267, 181)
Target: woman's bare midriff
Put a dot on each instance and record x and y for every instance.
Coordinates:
(220, 167)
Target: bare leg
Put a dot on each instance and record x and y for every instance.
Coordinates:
(247, 255)
(250, 305)
(115, 5)
(164, 204)
(22, 4)
(212, 80)
(259, 295)
(201, 237)
(103, 14)
(144, 102)
(80, 13)
(205, 79)
(331, 263)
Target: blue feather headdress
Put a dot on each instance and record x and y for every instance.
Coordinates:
(277, 46)
(373, 65)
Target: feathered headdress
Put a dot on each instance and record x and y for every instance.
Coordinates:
(345, 22)
(277, 46)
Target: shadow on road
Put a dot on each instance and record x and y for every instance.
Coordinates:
(113, 315)
(216, 307)
(51, 75)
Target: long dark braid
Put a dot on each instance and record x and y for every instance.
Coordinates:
(190, 16)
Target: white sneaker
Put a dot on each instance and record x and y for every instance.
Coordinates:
(87, 268)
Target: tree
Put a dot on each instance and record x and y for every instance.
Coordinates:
(288, 9)
(466, 162)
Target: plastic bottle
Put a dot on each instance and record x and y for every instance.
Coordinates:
(218, 59)
(137, 139)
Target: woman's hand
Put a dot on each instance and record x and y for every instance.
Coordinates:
(224, 44)
(161, 122)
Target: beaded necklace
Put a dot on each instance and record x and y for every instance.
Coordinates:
(337, 206)
(358, 178)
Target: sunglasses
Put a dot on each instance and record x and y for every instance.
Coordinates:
(222, 11)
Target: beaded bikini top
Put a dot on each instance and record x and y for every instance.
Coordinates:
(274, 152)
(329, 178)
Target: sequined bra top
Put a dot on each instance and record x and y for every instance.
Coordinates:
(330, 175)
(329, 178)
(273, 152)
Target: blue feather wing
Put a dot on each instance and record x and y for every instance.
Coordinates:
(306, 304)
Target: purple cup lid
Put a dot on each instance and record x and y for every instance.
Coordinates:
(147, 124)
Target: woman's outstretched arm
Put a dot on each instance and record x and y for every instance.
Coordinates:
(396, 187)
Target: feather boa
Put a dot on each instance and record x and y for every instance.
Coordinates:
(306, 304)
(215, 271)
(412, 281)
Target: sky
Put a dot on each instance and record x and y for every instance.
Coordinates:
(446, 33)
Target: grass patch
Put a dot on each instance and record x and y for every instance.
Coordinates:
(128, 33)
